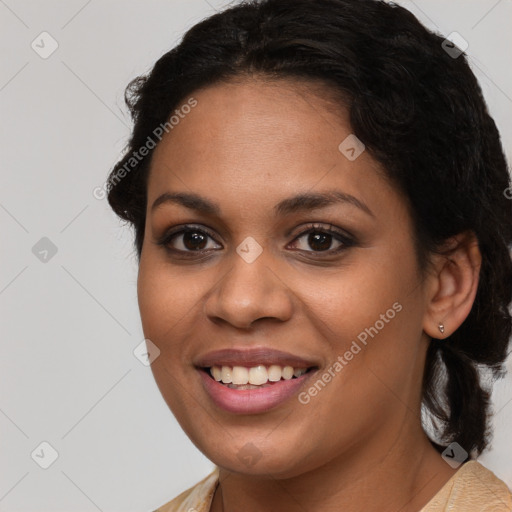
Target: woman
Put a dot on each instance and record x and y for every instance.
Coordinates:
(318, 197)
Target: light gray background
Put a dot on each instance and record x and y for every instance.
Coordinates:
(70, 325)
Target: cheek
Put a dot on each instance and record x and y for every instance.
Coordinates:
(353, 297)
(369, 313)
(171, 303)
(165, 304)
(163, 299)
(159, 286)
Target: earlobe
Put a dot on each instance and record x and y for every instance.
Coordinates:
(454, 285)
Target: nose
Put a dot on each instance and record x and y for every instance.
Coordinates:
(249, 292)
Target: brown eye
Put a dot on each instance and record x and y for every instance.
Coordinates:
(321, 239)
(317, 241)
(193, 240)
(188, 239)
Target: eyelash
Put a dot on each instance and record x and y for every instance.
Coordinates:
(346, 240)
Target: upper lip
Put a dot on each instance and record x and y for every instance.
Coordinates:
(251, 357)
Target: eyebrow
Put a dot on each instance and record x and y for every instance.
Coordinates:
(299, 203)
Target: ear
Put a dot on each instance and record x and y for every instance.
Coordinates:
(453, 284)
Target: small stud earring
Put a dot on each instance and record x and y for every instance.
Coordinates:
(441, 328)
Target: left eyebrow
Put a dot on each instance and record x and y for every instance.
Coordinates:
(299, 203)
(313, 201)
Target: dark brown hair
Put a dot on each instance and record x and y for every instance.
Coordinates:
(420, 112)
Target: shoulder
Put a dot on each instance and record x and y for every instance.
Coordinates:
(473, 488)
(197, 498)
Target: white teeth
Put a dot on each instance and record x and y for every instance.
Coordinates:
(226, 375)
(241, 377)
(299, 371)
(274, 373)
(258, 375)
(287, 372)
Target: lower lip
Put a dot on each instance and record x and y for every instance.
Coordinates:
(252, 401)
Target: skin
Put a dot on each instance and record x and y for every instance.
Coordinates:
(359, 444)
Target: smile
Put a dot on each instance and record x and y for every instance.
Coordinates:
(248, 398)
(242, 377)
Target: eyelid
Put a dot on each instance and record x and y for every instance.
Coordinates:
(176, 230)
(342, 236)
(323, 227)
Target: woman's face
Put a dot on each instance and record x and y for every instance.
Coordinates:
(347, 305)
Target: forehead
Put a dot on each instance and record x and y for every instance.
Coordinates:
(253, 140)
(256, 116)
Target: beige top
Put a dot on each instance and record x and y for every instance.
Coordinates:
(473, 488)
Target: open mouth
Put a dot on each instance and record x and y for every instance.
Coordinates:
(254, 377)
